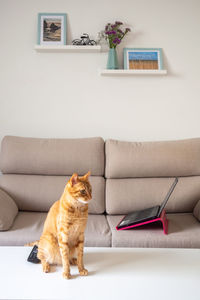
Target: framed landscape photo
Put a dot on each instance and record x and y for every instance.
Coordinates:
(51, 29)
(143, 59)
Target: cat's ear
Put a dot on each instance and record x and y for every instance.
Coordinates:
(87, 175)
(74, 179)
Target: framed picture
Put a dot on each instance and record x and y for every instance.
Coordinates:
(143, 59)
(51, 29)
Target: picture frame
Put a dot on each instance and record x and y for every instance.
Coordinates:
(51, 29)
(143, 59)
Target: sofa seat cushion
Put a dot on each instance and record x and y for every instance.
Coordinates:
(28, 227)
(183, 232)
(97, 232)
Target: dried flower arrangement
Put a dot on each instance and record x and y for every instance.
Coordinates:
(114, 34)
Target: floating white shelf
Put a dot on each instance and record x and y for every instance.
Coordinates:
(67, 48)
(121, 72)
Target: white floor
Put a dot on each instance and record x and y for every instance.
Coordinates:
(118, 273)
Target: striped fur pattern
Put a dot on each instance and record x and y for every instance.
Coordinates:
(62, 240)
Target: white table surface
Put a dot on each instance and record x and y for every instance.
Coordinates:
(114, 273)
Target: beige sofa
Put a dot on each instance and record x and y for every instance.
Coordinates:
(125, 177)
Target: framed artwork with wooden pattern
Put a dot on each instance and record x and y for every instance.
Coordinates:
(143, 59)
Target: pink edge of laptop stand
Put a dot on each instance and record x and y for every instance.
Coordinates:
(162, 219)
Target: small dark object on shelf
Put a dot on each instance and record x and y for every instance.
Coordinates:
(84, 41)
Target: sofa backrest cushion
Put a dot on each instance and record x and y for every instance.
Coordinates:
(196, 211)
(130, 194)
(39, 192)
(52, 156)
(152, 159)
(139, 175)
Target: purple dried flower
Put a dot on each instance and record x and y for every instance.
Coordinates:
(113, 34)
(110, 32)
(118, 23)
(116, 41)
(120, 31)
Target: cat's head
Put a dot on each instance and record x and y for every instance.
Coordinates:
(80, 188)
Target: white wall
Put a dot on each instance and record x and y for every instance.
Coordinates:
(62, 95)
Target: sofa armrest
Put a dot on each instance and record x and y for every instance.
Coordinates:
(8, 211)
(196, 211)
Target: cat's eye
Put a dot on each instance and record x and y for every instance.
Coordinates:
(83, 192)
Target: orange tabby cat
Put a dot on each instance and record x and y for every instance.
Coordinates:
(63, 234)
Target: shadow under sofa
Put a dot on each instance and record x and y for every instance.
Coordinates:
(126, 176)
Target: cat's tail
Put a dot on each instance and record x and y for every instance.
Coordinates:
(32, 243)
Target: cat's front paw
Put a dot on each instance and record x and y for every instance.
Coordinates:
(66, 275)
(46, 267)
(83, 272)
